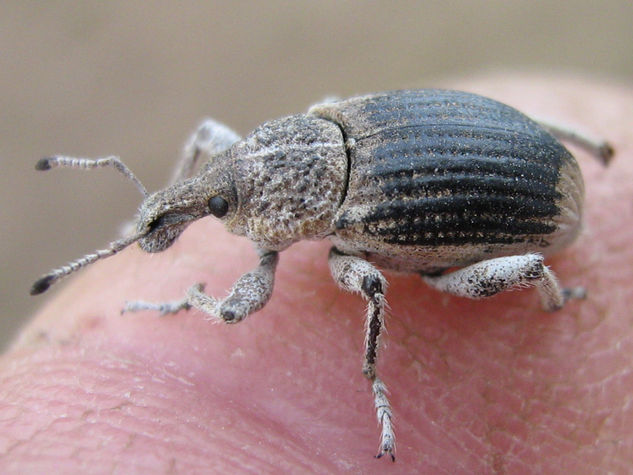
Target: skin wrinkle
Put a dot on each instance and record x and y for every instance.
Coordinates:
(96, 415)
(126, 417)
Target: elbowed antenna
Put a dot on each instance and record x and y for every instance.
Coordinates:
(43, 283)
(47, 163)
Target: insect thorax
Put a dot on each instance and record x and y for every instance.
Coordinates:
(290, 176)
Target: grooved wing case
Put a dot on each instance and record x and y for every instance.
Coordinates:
(448, 178)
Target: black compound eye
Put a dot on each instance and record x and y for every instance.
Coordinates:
(218, 206)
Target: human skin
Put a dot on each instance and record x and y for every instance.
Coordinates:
(495, 385)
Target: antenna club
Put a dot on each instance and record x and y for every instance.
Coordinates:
(43, 164)
(41, 285)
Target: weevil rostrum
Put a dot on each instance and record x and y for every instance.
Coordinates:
(420, 181)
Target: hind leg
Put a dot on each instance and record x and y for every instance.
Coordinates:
(599, 148)
(492, 276)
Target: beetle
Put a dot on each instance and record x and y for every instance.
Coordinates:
(420, 181)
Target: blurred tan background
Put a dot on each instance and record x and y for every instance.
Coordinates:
(133, 78)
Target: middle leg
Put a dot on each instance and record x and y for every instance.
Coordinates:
(359, 276)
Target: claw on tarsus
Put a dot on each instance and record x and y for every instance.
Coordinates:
(386, 451)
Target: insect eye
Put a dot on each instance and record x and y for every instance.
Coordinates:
(218, 206)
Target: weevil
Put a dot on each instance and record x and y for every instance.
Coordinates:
(420, 181)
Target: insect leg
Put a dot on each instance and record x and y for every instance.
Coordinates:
(492, 276)
(599, 148)
(210, 138)
(359, 276)
(249, 294)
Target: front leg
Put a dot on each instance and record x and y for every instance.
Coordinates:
(249, 294)
(359, 276)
